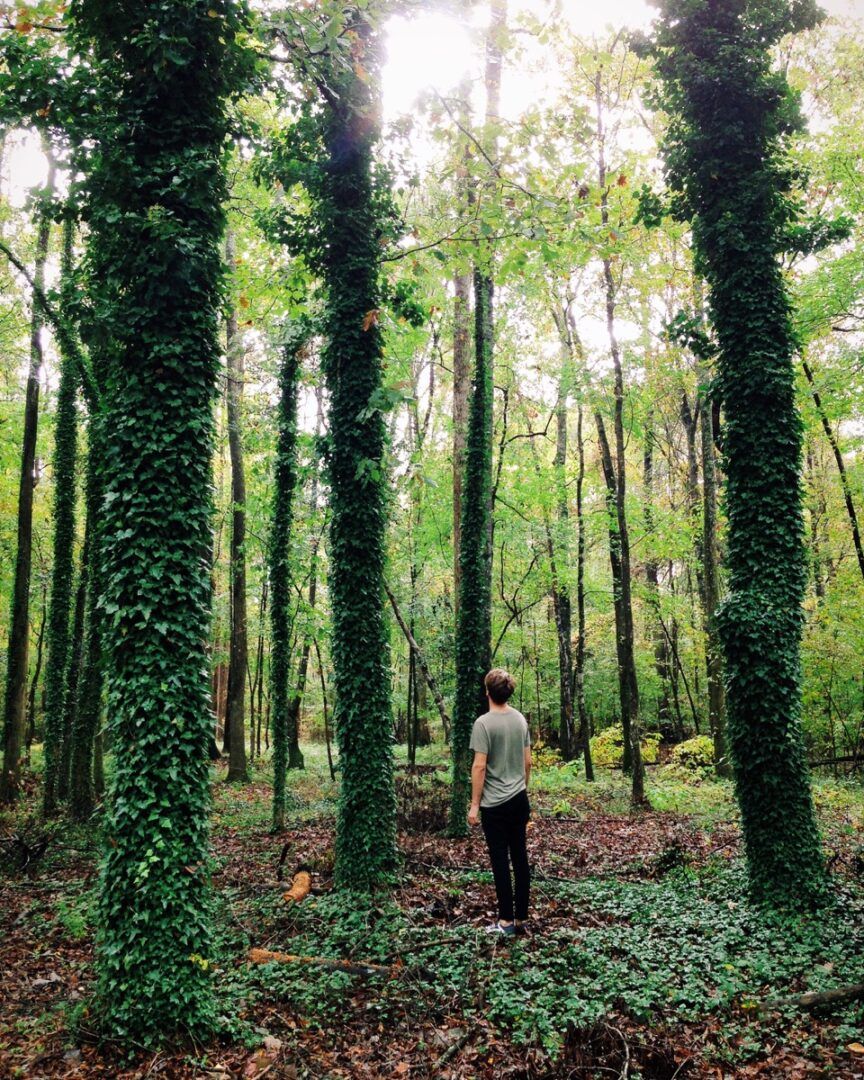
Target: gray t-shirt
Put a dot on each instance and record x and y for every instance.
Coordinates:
(502, 736)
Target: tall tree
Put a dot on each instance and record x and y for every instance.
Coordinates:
(730, 118)
(15, 697)
(474, 611)
(350, 216)
(153, 199)
(65, 449)
(285, 480)
(235, 706)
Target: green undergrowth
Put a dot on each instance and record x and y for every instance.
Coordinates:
(682, 949)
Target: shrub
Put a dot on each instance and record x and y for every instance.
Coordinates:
(607, 747)
(695, 754)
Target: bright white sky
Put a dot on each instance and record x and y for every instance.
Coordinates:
(434, 51)
(437, 50)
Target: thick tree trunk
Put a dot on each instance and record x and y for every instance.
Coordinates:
(14, 705)
(352, 359)
(727, 173)
(154, 204)
(235, 720)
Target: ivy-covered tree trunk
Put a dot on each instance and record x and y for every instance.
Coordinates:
(87, 713)
(285, 480)
(730, 116)
(352, 358)
(65, 451)
(154, 191)
(474, 621)
(15, 696)
(235, 709)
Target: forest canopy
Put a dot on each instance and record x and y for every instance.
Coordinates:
(352, 349)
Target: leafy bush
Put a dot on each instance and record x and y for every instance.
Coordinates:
(607, 747)
(696, 753)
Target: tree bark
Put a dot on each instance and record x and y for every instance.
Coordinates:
(652, 578)
(841, 465)
(279, 565)
(616, 481)
(711, 592)
(235, 720)
(579, 665)
(14, 705)
(56, 743)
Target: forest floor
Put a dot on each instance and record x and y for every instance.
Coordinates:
(645, 959)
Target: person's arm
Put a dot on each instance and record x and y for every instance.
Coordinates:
(527, 765)
(478, 779)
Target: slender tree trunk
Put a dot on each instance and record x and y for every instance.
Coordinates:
(618, 479)
(841, 465)
(563, 604)
(421, 662)
(652, 578)
(238, 657)
(461, 390)
(816, 513)
(711, 593)
(30, 723)
(14, 706)
(285, 480)
(579, 666)
(85, 780)
(57, 750)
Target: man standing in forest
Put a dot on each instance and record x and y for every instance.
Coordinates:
(499, 798)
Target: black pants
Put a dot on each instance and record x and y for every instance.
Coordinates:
(504, 829)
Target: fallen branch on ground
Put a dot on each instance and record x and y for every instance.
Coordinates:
(351, 967)
(840, 995)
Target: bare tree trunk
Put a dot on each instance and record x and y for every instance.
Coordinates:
(652, 578)
(817, 509)
(579, 668)
(14, 710)
(235, 714)
(30, 725)
(711, 595)
(616, 479)
(421, 661)
(841, 465)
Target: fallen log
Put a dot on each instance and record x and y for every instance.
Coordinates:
(351, 967)
(300, 887)
(840, 995)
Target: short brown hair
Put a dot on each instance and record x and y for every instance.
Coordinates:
(500, 685)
